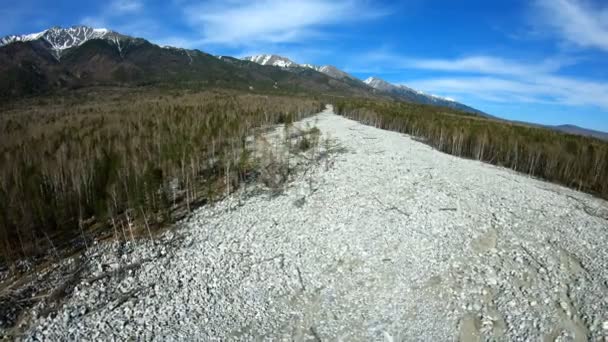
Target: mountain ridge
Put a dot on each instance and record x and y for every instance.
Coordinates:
(82, 56)
(61, 39)
(284, 62)
(417, 96)
(376, 84)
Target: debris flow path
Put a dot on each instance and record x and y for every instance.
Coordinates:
(385, 239)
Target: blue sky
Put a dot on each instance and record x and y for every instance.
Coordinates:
(542, 61)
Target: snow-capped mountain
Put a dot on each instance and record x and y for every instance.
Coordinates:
(60, 39)
(381, 84)
(416, 96)
(272, 60)
(400, 91)
(284, 62)
(330, 71)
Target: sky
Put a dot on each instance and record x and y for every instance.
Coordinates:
(542, 61)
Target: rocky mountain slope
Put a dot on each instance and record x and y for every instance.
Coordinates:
(284, 62)
(272, 60)
(59, 40)
(332, 71)
(448, 249)
(380, 86)
(416, 96)
(82, 56)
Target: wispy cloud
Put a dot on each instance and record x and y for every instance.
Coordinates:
(94, 21)
(578, 22)
(133, 17)
(498, 79)
(125, 6)
(536, 89)
(240, 23)
(486, 65)
(115, 10)
(472, 64)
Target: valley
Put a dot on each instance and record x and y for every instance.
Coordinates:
(157, 193)
(382, 238)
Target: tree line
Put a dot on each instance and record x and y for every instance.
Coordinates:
(69, 165)
(575, 161)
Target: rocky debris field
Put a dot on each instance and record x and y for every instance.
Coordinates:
(382, 239)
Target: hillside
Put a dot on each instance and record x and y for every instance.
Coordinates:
(373, 85)
(410, 95)
(33, 64)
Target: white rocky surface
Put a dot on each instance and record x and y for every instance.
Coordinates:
(386, 240)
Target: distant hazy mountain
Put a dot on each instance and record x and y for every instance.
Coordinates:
(572, 129)
(569, 129)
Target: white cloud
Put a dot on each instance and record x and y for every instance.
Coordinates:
(497, 79)
(241, 22)
(176, 41)
(486, 64)
(96, 22)
(125, 6)
(117, 9)
(540, 89)
(472, 64)
(577, 22)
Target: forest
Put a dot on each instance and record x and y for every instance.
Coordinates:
(99, 162)
(102, 162)
(575, 161)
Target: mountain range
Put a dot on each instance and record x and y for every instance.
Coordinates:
(284, 62)
(60, 40)
(412, 95)
(377, 85)
(81, 56)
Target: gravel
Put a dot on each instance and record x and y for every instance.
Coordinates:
(383, 239)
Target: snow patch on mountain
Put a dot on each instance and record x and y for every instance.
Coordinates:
(417, 96)
(442, 98)
(283, 62)
(379, 84)
(311, 66)
(61, 39)
(383, 85)
(272, 60)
